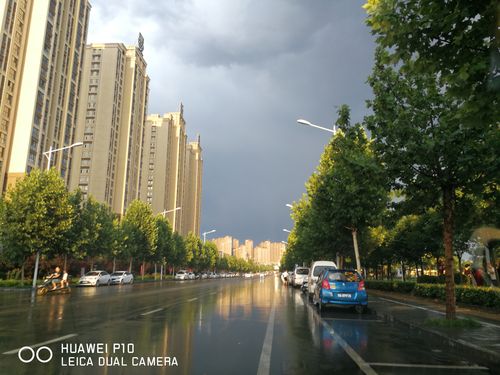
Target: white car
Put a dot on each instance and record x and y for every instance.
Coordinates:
(95, 278)
(191, 276)
(122, 277)
(316, 268)
(181, 275)
(299, 275)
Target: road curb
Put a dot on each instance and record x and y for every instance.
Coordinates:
(471, 351)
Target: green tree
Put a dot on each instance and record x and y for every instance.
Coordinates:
(194, 248)
(92, 231)
(209, 255)
(165, 242)
(140, 232)
(36, 216)
(435, 116)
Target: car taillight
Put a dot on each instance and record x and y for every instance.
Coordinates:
(361, 285)
(325, 284)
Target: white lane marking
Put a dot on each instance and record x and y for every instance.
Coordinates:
(62, 338)
(355, 320)
(192, 299)
(415, 365)
(151, 312)
(364, 366)
(435, 311)
(267, 347)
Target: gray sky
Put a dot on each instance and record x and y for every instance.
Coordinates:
(246, 70)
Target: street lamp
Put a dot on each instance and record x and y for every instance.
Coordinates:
(355, 241)
(286, 243)
(205, 234)
(164, 213)
(289, 205)
(305, 122)
(286, 230)
(48, 155)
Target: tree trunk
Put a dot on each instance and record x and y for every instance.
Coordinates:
(143, 269)
(448, 202)
(155, 270)
(65, 261)
(114, 264)
(356, 251)
(403, 271)
(130, 265)
(22, 273)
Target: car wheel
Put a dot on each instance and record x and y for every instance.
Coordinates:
(360, 309)
(97, 284)
(131, 281)
(109, 282)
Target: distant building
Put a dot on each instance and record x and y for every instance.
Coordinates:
(41, 53)
(111, 121)
(224, 245)
(191, 199)
(172, 171)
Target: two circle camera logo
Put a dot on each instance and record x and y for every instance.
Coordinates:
(27, 354)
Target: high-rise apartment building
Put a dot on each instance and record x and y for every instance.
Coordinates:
(41, 53)
(191, 200)
(111, 124)
(163, 167)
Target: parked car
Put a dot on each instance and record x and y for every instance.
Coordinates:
(315, 270)
(181, 275)
(95, 278)
(191, 276)
(122, 277)
(299, 275)
(340, 288)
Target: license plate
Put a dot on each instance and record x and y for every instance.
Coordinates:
(344, 295)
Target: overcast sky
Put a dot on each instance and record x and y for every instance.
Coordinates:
(246, 70)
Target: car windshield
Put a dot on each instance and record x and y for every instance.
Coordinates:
(349, 276)
(117, 273)
(319, 269)
(302, 271)
(92, 273)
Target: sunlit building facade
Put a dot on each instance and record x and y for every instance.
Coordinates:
(41, 54)
(115, 88)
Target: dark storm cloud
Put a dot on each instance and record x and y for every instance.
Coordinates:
(245, 71)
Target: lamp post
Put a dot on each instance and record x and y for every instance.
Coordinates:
(289, 205)
(286, 230)
(48, 155)
(307, 123)
(286, 243)
(205, 234)
(164, 213)
(354, 234)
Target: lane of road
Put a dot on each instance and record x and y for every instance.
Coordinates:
(214, 327)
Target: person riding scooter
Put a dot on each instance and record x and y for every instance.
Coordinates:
(55, 278)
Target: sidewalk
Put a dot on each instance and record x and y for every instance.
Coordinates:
(481, 344)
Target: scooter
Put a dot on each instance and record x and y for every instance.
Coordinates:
(303, 288)
(47, 287)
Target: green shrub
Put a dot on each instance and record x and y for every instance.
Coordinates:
(10, 283)
(427, 279)
(471, 295)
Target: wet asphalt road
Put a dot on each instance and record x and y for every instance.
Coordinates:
(225, 326)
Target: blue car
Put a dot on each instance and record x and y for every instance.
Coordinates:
(340, 288)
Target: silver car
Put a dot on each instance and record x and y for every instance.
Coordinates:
(299, 275)
(95, 278)
(122, 277)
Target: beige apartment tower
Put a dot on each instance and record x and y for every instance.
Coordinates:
(163, 167)
(41, 53)
(191, 198)
(111, 123)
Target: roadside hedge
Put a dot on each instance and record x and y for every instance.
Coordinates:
(472, 295)
(427, 279)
